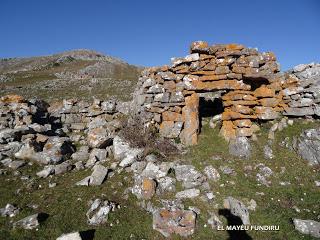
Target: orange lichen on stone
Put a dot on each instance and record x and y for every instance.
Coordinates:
(264, 91)
(219, 85)
(243, 123)
(212, 77)
(269, 102)
(240, 102)
(12, 99)
(190, 114)
(228, 130)
(230, 115)
(242, 109)
(234, 46)
(171, 116)
(148, 188)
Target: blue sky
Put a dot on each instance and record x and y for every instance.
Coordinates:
(150, 32)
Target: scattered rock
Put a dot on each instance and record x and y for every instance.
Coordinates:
(189, 176)
(96, 178)
(212, 173)
(9, 210)
(268, 153)
(308, 146)
(70, 236)
(29, 222)
(214, 221)
(189, 193)
(240, 147)
(174, 221)
(308, 227)
(238, 209)
(99, 211)
(123, 152)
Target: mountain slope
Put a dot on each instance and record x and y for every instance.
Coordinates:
(77, 73)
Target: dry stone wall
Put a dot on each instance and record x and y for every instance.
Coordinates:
(249, 82)
(303, 98)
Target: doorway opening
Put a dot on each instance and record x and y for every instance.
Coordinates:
(210, 105)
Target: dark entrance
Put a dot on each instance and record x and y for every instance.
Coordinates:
(210, 105)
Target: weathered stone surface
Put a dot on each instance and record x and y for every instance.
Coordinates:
(124, 153)
(99, 138)
(212, 173)
(9, 211)
(174, 221)
(96, 155)
(199, 47)
(308, 227)
(264, 92)
(240, 147)
(156, 171)
(266, 113)
(166, 184)
(12, 99)
(268, 153)
(189, 58)
(227, 130)
(238, 209)
(144, 188)
(308, 146)
(96, 178)
(99, 211)
(305, 111)
(28, 223)
(188, 175)
(243, 123)
(70, 236)
(190, 114)
(189, 193)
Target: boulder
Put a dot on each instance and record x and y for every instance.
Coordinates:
(308, 227)
(99, 138)
(124, 153)
(156, 171)
(166, 184)
(238, 209)
(28, 223)
(211, 173)
(240, 147)
(96, 155)
(70, 236)
(189, 193)
(174, 221)
(189, 176)
(96, 178)
(99, 211)
(9, 210)
(308, 146)
(144, 188)
(56, 149)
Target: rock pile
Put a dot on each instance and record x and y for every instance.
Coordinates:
(28, 133)
(248, 81)
(303, 98)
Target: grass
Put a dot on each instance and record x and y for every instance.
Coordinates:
(119, 82)
(66, 203)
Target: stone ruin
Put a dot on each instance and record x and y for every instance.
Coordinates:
(246, 83)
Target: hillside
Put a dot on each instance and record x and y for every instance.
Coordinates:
(88, 72)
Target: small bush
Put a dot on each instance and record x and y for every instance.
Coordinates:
(138, 134)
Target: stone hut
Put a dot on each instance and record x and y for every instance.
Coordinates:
(247, 83)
